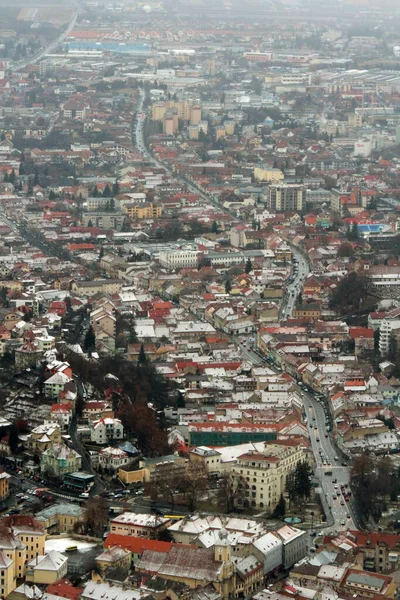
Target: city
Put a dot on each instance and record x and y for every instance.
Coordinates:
(200, 300)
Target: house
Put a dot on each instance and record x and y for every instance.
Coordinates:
(55, 384)
(47, 568)
(60, 459)
(43, 436)
(4, 485)
(113, 458)
(106, 429)
(62, 413)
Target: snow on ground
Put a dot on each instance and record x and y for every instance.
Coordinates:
(60, 544)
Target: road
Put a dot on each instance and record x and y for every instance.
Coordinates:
(324, 452)
(300, 271)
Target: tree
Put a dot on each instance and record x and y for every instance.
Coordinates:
(345, 249)
(12, 177)
(142, 358)
(90, 340)
(180, 400)
(115, 189)
(107, 191)
(95, 192)
(353, 233)
(101, 253)
(90, 223)
(231, 492)
(280, 508)
(52, 195)
(228, 286)
(194, 483)
(303, 475)
(392, 352)
(214, 227)
(36, 178)
(96, 517)
(249, 267)
(350, 293)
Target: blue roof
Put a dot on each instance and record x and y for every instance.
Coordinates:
(371, 228)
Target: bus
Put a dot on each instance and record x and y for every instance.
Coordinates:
(174, 517)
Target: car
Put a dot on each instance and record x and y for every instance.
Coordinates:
(317, 438)
(347, 498)
(349, 516)
(313, 533)
(334, 496)
(342, 523)
(342, 502)
(326, 435)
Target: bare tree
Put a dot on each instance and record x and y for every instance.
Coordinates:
(231, 492)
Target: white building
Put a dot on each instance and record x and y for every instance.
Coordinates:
(385, 331)
(269, 549)
(55, 384)
(113, 458)
(178, 259)
(294, 545)
(106, 429)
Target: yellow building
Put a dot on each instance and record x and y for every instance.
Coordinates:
(22, 539)
(43, 437)
(263, 475)
(7, 580)
(48, 568)
(268, 174)
(4, 485)
(195, 115)
(145, 210)
(159, 109)
(128, 477)
(220, 132)
(193, 132)
(229, 127)
(60, 518)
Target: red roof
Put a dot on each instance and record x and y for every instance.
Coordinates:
(361, 332)
(64, 589)
(138, 545)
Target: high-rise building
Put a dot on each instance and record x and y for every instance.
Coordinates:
(284, 197)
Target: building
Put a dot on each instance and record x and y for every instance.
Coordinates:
(142, 210)
(138, 525)
(195, 566)
(307, 312)
(113, 458)
(229, 434)
(97, 286)
(4, 485)
(114, 558)
(106, 429)
(178, 259)
(267, 173)
(269, 550)
(263, 475)
(60, 518)
(22, 539)
(47, 568)
(60, 459)
(286, 197)
(55, 384)
(294, 545)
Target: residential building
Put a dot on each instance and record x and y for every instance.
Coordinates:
(145, 210)
(47, 568)
(178, 259)
(60, 459)
(106, 429)
(4, 485)
(288, 197)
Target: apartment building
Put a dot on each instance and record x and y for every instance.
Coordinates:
(288, 197)
(145, 210)
(264, 474)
